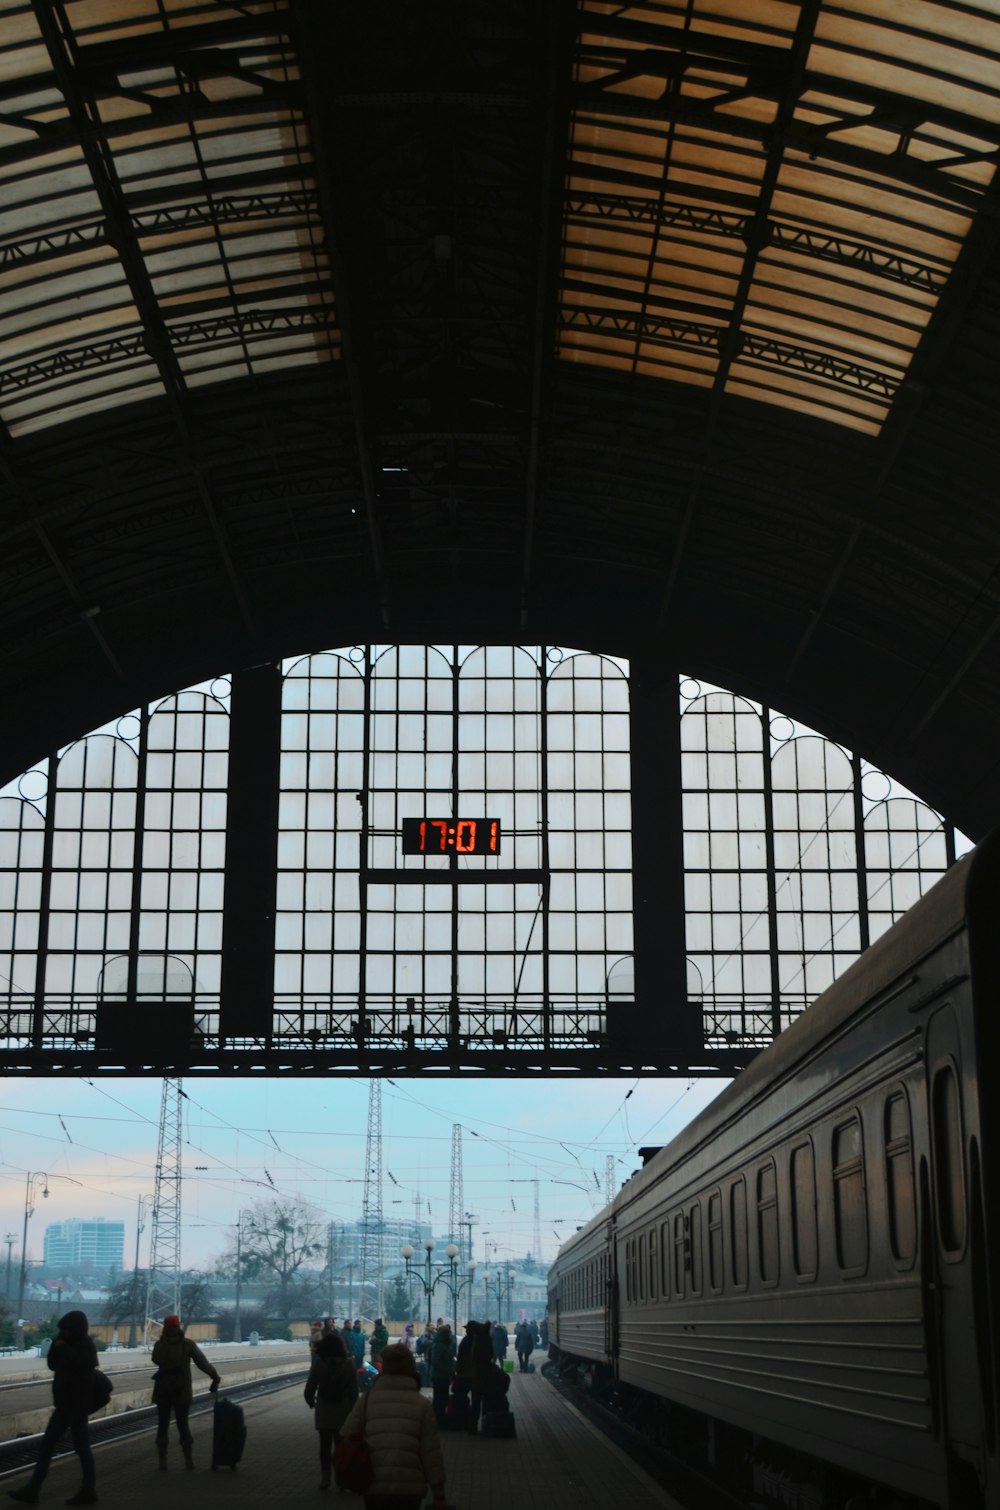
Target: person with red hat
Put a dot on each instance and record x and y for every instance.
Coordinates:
(173, 1390)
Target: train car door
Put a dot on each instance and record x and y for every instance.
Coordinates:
(952, 1303)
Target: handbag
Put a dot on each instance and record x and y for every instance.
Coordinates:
(100, 1391)
(352, 1460)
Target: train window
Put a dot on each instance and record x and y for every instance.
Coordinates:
(949, 1172)
(715, 1241)
(665, 1260)
(654, 1263)
(899, 1180)
(629, 1288)
(694, 1233)
(804, 1243)
(849, 1216)
(679, 1254)
(738, 1232)
(767, 1223)
(641, 1267)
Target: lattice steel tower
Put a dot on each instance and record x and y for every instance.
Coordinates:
(372, 1228)
(163, 1286)
(609, 1179)
(456, 1202)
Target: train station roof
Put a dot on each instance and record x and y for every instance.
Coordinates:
(666, 329)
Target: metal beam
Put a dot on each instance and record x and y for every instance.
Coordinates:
(558, 65)
(85, 115)
(317, 60)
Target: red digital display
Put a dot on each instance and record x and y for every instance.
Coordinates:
(451, 836)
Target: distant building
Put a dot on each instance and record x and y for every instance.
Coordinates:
(88, 1246)
(395, 1232)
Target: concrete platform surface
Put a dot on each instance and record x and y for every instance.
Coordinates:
(558, 1461)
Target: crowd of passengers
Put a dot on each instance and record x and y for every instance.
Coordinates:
(468, 1381)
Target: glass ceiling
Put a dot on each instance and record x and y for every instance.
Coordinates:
(158, 219)
(762, 199)
(770, 198)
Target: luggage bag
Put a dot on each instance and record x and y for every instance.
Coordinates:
(229, 1433)
(498, 1423)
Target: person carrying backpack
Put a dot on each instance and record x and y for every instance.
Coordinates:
(331, 1390)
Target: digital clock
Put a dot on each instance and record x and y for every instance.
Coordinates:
(451, 836)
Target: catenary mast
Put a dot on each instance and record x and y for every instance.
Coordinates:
(371, 1211)
(163, 1285)
(456, 1203)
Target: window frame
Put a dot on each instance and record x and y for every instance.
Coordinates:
(739, 1233)
(803, 1275)
(845, 1168)
(948, 1066)
(893, 1151)
(762, 1207)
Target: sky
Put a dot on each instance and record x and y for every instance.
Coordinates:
(246, 1141)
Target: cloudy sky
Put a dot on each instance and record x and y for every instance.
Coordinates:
(245, 1141)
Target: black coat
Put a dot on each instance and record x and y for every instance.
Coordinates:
(72, 1361)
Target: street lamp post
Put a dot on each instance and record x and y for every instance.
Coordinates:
(237, 1333)
(500, 1286)
(144, 1201)
(449, 1278)
(447, 1274)
(29, 1206)
(10, 1239)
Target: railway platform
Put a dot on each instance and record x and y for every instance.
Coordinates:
(558, 1461)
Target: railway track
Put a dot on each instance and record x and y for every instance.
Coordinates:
(20, 1452)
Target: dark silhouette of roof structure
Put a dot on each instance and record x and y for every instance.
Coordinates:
(656, 328)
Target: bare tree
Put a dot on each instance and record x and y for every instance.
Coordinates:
(282, 1242)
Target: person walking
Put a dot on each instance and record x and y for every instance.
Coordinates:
(409, 1341)
(398, 1424)
(379, 1338)
(173, 1354)
(524, 1343)
(331, 1389)
(72, 1357)
(441, 1363)
(501, 1341)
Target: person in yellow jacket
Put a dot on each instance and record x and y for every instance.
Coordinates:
(173, 1390)
(398, 1424)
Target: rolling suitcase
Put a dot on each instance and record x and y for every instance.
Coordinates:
(498, 1423)
(229, 1433)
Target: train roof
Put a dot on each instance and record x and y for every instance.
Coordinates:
(926, 925)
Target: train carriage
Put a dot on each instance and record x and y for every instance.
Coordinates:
(807, 1263)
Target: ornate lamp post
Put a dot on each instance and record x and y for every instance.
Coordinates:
(449, 1278)
(500, 1286)
(446, 1274)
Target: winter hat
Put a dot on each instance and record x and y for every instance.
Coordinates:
(171, 1321)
